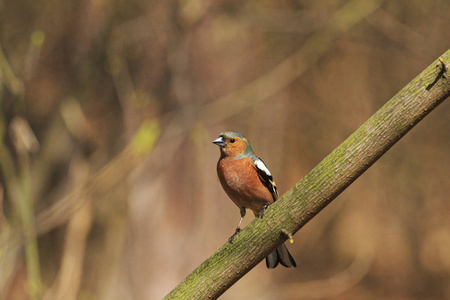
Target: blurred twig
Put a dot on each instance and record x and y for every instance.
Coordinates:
(69, 277)
(14, 84)
(19, 190)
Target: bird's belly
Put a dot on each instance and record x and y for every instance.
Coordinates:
(246, 191)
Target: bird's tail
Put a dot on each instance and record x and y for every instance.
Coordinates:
(280, 255)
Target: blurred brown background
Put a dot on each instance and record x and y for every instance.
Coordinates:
(92, 209)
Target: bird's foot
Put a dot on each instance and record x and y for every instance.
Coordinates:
(261, 213)
(234, 234)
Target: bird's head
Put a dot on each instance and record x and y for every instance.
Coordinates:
(233, 144)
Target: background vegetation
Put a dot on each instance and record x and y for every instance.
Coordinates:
(93, 209)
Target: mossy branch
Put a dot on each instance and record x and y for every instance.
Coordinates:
(318, 188)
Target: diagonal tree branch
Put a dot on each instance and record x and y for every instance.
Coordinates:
(320, 186)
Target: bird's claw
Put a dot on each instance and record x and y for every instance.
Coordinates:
(230, 240)
(261, 213)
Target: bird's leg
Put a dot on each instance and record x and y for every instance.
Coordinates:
(261, 213)
(238, 229)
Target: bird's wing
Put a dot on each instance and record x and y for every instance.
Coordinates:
(265, 176)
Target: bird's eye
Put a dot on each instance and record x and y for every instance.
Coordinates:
(232, 140)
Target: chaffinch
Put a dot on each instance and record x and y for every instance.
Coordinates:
(247, 181)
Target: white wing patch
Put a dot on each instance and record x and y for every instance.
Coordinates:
(260, 165)
(265, 176)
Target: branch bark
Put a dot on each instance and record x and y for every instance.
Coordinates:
(320, 186)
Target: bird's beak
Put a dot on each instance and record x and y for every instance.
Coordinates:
(219, 142)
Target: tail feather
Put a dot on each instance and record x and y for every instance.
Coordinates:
(280, 255)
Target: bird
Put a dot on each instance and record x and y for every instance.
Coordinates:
(249, 183)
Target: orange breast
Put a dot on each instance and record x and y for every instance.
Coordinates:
(242, 184)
